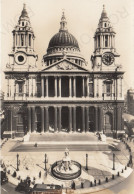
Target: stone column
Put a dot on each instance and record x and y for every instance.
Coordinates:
(83, 86)
(47, 86)
(42, 87)
(59, 86)
(33, 119)
(42, 119)
(117, 88)
(29, 119)
(25, 89)
(17, 89)
(74, 87)
(59, 123)
(119, 119)
(55, 119)
(87, 119)
(110, 41)
(95, 86)
(83, 119)
(32, 85)
(55, 84)
(96, 118)
(74, 119)
(8, 87)
(35, 86)
(70, 119)
(94, 44)
(87, 86)
(70, 86)
(101, 119)
(14, 88)
(47, 120)
(101, 42)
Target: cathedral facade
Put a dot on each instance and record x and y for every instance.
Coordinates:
(64, 95)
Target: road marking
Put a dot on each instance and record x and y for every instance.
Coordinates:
(4, 189)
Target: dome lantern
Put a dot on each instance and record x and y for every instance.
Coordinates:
(63, 23)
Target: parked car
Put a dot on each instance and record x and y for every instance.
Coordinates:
(4, 178)
(23, 187)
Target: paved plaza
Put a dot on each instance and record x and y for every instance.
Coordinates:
(100, 163)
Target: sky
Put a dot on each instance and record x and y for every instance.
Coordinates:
(82, 20)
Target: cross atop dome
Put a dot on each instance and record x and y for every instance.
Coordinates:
(63, 23)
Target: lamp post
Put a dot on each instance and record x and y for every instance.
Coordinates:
(17, 162)
(46, 161)
(113, 161)
(86, 161)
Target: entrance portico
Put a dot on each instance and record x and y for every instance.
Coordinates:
(71, 118)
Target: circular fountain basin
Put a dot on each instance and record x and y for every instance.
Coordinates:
(68, 174)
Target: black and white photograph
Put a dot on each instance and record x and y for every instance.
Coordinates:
(67, 96)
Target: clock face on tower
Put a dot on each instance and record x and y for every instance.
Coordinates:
(108, 58)
(20, 58)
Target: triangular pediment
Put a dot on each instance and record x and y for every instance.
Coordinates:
(64, 65)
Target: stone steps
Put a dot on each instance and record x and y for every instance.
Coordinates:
(61, 147)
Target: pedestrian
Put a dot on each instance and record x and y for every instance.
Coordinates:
(82, 185)
(29, 182)
(40, 174)
(73, 185)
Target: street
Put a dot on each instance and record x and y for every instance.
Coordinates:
(126, 187)
(8, 188)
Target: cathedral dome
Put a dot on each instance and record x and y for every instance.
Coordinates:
(63, 39)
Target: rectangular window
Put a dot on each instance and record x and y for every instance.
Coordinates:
(98, 41)
(108, 89)
(22, 40)
(20, 87)
(20, 119)
(90, 89)
(29, 39)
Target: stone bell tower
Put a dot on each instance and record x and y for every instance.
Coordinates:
(105, 57)
(23, 57)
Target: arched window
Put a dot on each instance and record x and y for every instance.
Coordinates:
(22, 23)
(105, 24)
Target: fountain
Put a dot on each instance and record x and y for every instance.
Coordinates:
(66, 168)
